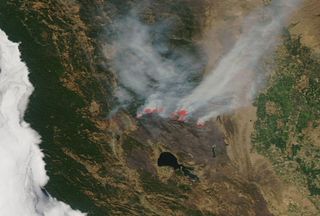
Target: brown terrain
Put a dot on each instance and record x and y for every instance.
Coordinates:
(238, 181)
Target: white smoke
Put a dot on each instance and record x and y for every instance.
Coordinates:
(166, 88)
(234, 82)
(143, 71)
(22, 172)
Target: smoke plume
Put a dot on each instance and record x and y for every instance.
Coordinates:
(167, 84)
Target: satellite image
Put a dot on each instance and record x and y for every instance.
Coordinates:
(159, 107)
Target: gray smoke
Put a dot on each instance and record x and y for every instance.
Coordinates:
(168, 84)
(148, 69)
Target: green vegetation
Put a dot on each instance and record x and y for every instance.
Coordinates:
(169, 193)
(153, 185)
(287, 111)
(54, 112)
(130, 143)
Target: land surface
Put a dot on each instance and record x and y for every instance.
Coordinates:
(266, 154)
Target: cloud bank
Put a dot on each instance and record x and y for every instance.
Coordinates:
(22, 169)
(165, 84)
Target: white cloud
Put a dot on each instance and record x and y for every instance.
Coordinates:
(22, 172)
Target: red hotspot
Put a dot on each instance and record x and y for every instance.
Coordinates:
(180, 115)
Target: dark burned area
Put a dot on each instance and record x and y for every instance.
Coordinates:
(180, 145)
